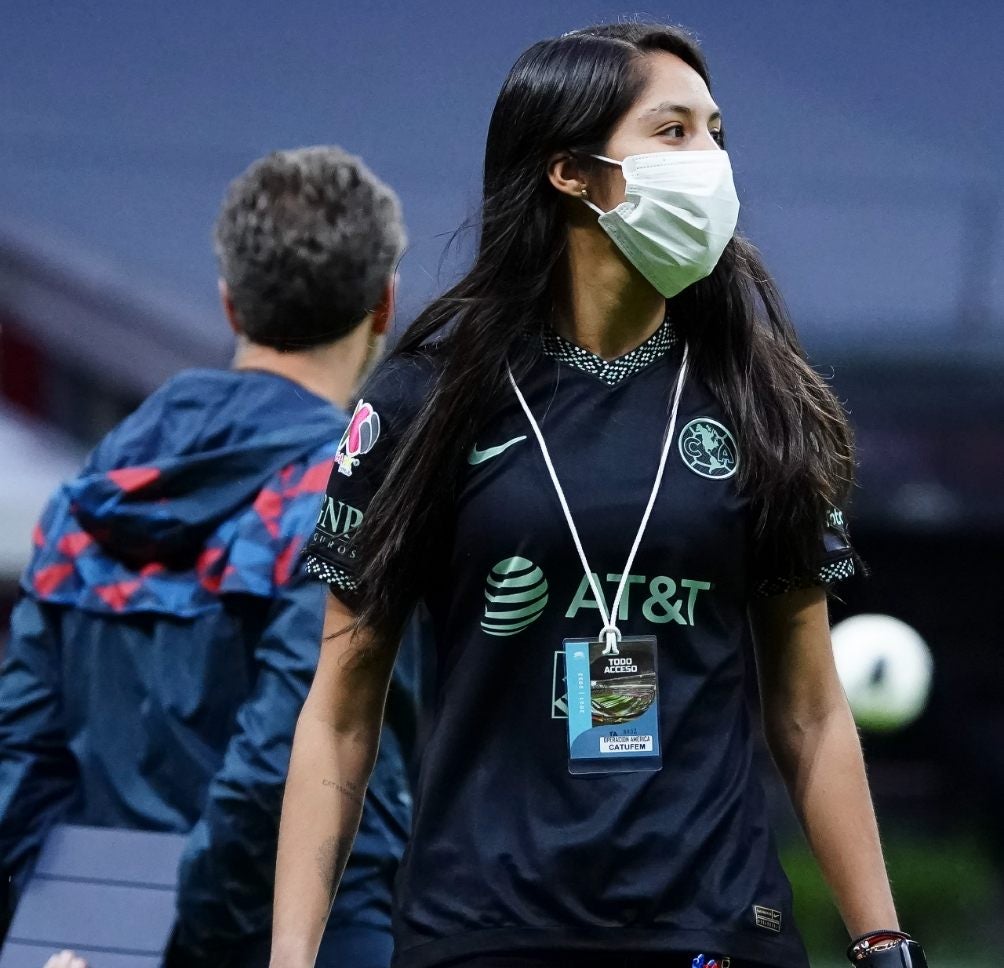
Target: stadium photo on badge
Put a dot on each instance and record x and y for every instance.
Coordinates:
(501, 486)
(624, 698)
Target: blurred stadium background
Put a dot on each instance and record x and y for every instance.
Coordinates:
(866, 143)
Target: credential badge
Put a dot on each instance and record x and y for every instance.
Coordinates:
(709, 449)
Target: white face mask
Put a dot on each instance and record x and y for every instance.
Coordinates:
(679, 212)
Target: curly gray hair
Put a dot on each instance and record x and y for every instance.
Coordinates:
(306, 241)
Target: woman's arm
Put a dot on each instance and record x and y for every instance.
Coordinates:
(814, 741)
(334, 748)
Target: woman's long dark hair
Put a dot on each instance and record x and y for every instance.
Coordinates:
(568, 94)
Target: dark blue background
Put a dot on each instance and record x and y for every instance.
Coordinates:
(865, 136)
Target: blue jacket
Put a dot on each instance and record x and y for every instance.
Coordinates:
(165, 641)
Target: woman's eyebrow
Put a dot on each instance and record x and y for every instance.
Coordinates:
(668, 107)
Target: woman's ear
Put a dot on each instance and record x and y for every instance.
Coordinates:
(565, 173)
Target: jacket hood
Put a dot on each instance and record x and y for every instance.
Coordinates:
(200, 491)
(190, 457)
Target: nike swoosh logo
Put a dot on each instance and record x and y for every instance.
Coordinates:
(480, 456)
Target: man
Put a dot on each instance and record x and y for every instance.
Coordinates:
(165, 638)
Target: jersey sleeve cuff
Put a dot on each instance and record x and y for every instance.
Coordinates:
(337, 578)
(828, 574)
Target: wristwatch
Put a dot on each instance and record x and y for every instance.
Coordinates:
(886, 949)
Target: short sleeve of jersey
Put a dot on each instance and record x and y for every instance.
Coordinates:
(386, 407)
(836, 560)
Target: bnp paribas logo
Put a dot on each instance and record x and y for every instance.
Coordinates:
(515, 597)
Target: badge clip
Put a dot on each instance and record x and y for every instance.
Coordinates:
(610, 635)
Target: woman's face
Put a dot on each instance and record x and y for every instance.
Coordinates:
(675, 112)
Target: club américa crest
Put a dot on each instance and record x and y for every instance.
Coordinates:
(709, 449)
(359, 437)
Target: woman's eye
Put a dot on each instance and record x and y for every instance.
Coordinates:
(674, 131)
(719, 137)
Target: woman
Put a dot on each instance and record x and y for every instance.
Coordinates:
(613, 460)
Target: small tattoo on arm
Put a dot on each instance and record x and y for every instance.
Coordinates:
(347, 788)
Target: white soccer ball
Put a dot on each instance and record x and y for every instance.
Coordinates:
(885, 667)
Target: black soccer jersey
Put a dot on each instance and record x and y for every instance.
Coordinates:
(510, 850)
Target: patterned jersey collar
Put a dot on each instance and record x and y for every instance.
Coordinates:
(611, 372)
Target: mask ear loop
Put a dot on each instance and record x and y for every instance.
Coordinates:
(609, 161)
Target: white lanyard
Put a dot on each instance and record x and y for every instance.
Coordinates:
(610, 634)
